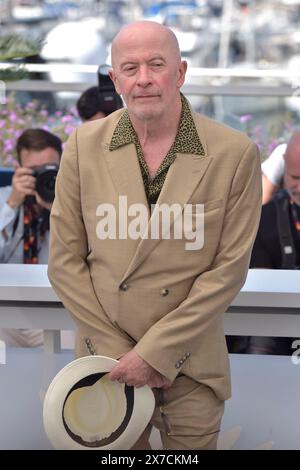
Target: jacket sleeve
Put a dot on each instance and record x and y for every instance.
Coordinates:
(213, 290)
(68, 270)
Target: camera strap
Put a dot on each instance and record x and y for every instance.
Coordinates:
(296, 217)
(288, 252)
(42, 227)
(36, 224)
(16, 223)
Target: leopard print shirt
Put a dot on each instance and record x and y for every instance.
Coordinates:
(186, 141)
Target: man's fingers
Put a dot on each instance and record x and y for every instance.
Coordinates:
(115, 373)
(21, 171)
(113, 376)
(157, 382)
(24, 185)
(25, 179)
(27, 191)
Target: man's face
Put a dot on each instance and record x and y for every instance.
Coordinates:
(32, 158)
(292, 174)
(148, 74)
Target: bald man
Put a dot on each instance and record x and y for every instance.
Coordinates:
(277, 244)
(153, 223)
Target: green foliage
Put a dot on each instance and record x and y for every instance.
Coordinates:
(14, 46)
(13, 74)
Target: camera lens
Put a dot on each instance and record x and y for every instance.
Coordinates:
(45, 182)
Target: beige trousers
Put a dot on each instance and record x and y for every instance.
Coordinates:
(188, 416)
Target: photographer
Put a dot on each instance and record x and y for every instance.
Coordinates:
(24, 215)
(89, 106)
(99, 101)
(25, 209)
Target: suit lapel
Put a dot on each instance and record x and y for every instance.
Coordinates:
(182, 178)
(126, 175)
(125, 172)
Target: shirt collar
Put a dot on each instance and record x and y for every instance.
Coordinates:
(124, 132)
(187, 139)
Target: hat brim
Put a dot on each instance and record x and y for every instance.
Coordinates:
(139, 404)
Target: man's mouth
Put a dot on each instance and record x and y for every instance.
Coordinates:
(146, 96)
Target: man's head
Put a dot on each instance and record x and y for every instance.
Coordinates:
(292, 168)
(97, 102)
(147, 69)
(89, 105)
(36, 147)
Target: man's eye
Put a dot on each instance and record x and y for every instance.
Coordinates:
(157, 64)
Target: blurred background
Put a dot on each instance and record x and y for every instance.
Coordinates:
(243, 57)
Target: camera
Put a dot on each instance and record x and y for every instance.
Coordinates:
(110, 101)
(45, 181)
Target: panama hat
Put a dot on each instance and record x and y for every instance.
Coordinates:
(84, 409)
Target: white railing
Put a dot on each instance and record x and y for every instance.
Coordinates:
(200, 81)
(192, 71)
(267, 305)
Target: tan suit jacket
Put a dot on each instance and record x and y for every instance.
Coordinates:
(152, 294)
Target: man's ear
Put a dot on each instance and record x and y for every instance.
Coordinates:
(111, 74)
(182, 72)
(113, 78)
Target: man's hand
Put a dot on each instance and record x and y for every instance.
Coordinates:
(133, 370)
(41, 202)
(23, 184)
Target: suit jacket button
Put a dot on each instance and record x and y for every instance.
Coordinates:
(124, 287)
(164, 292)
(177, 365)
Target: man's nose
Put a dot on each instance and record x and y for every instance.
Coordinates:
(144, 76)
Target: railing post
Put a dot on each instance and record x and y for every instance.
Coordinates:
(2, 92)
(52, 341)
